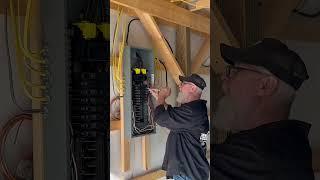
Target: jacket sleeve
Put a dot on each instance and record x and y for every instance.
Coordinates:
(172, 117)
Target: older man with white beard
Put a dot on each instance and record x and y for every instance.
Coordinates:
(260, 85)
(185, 156)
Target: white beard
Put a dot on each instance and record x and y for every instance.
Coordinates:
(225, 114)
(181, 99)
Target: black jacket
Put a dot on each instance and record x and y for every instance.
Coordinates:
(184, 154)
(275, 151)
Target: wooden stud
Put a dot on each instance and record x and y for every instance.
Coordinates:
(37, 119)
(115, 125)
(152, 176)
(157, 37)
(146, 152)
(5, 4)
(183, 48)
(204, 52)
(170, 12)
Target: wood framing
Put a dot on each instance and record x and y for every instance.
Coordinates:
(204, 70)
(4, 4)
(115, 125)
(124, 142)
(152, 176)
(183, 48)
(146, 152)
(201, 4)
(203, 53)
(222, 34)
(157, 37)
(37, 119)
(170, 12)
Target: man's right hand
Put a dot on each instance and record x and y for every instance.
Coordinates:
(164, 93)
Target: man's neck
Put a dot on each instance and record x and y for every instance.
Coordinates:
(260, 116)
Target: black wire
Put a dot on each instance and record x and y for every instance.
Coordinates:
(18, 129)
(128, 28)
(306, 14)
(169, 45)
(13, 97)
(165, 70)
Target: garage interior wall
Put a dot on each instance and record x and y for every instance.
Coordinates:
(139, 37)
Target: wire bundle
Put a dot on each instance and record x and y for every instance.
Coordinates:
(23, 49)
(117, 61)
(5, 130)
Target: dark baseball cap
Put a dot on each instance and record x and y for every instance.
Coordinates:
(195, 79)
(274, 56)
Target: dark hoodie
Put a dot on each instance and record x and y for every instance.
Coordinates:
(184, 154)
(274, 151)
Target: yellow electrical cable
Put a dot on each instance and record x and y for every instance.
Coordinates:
(20, 70)
(18, 38)
(25, 83)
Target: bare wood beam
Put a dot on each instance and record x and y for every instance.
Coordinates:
(170, 12)
(37, 119)
(201, 4)
(201, 56)
(183, 48)
(4, 4)
(204, 71)
(157, 37)
(132, 13)
(153, 175)
(115, 125)
(221, 34)
(146, 152)
(124, 142)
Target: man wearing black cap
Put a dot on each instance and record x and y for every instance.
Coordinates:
(185, 156)
(260, 84)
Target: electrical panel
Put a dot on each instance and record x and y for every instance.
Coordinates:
(138, 71)
(89, 99)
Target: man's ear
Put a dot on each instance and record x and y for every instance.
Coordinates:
(194, 88)
(267, 86)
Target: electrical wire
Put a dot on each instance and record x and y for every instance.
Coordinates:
(12, 92)
(169, 45)
(165, 70)
(128, 29)
(314, 15)
(5, 130)
(298, 11)
(25, 51)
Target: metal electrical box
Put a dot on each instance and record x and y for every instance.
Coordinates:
(138, 73)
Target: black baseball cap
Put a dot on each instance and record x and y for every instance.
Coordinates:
(195, 79)
(274, 56)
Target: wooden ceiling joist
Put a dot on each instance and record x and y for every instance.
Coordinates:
(169, 12)
(169, 59)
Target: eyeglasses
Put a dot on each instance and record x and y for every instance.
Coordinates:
(233, 70)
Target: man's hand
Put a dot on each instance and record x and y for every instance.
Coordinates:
(164, 92)
(160, 95)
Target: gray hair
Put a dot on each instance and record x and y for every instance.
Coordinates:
(285, 93)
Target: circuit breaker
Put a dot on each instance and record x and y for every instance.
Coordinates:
(89, 98)
(138, 69)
